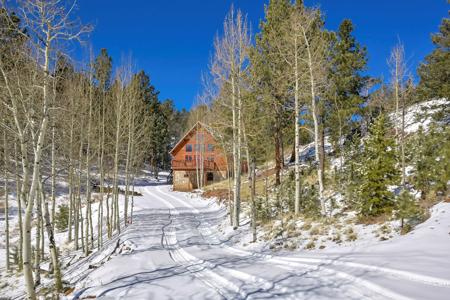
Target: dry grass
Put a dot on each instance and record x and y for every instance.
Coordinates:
(374, 220)
(221, 194)
(217, 189)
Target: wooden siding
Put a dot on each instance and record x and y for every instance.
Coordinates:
(187, 160)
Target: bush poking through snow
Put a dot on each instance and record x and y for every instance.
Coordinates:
(311, 245)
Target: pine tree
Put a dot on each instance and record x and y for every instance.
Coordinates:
(406, 208)
(431, 164)
(378, 170)
(348, 60)
(434, 72)
(268, 69)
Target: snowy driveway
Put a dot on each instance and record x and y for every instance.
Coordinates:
(173, 251)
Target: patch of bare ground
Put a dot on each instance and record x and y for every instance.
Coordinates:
(220, 194)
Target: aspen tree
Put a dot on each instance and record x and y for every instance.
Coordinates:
(398, 76)
(315, 58)
(48, 21)
(229, 67)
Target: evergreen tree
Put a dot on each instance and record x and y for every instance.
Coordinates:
(406, 208)
(435, 71)
(431, 163)
(102, 70)
(268, 73)
(378, 170)
(348, 60)
(157, 122)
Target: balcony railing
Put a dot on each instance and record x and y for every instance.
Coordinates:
(193, 164)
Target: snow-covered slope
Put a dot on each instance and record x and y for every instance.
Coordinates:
(421, 114)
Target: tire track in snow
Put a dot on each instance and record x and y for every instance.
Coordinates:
(424, 279)
(259, 284)
(203, 269)
(290, 264)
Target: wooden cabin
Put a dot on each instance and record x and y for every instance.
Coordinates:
(197, 157)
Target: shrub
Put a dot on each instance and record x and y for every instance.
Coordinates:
(406, 208)
(62, 217)
(311, 245)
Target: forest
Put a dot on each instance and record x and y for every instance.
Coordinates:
(87, 130)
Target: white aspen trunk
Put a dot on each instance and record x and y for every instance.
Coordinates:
(127, 162)
(37, 253)
(89, 239)
(236, 200)
(52, 246)
(253, 197)
(239, 155)
(71, 203)
(78, 197)
(116, 163)
(71, 182)
(297, 131)
(28, 275)
(202, 159)
(316, 124)
(19, 206)
(197, 167)
(402, 144)
(396, 94)
(53, 189)
(102, 170)
(5, 178)
(42, 229)
(100, 208)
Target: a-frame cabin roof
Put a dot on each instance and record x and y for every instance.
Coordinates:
(188, 135)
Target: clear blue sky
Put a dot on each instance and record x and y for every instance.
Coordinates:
(172, 39)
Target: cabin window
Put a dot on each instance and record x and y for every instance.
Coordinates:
(188, 158)
(188, 148)
(210, 148)
(210, 176)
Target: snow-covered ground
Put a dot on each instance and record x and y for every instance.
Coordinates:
(174, 250)
(421, 114)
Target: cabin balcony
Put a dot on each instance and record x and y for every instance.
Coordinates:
(192, 165)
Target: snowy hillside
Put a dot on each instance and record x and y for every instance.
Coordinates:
(421, 114)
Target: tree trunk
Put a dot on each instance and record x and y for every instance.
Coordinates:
(37, 253)
(316, 125)
(402, 144)
(53, 191)
(28, 275)
(236, 156)
(71, 183)
(116, 162)
(253, 198)
(297, 132)
(52, 247)
(277, 157)
(89, 238)
(5, 179)
(19, 207)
